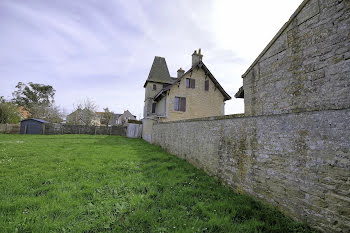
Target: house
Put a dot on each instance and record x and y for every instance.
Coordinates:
(32, 126)
(120, 119)
(99, 118)
(114, 119)
(192, 94)
(83, 117)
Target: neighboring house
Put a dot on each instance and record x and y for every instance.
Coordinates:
(120, 119)
(83, 117)
(99, 119)
(192, 94)
(114, 119)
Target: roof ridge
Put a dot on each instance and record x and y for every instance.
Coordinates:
(207, 71)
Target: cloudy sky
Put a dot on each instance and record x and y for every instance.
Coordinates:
(104, 49)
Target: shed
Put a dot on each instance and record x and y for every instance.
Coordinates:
(32, 126)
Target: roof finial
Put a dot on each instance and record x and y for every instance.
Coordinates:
(199, 51)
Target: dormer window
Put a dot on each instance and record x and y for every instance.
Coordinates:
(190, 83)
(154, 87)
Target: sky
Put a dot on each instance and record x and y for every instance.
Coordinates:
(103, 49)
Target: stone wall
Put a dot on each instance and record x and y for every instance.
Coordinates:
(299, 162)
(307, 64)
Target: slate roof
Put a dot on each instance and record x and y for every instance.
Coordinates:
(39, 120)
(207, 72)
(159, 72)
(240, 93)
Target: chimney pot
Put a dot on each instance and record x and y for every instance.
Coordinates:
(196, 57)
(180, 72)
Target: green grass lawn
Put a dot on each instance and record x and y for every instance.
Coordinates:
(83, 183)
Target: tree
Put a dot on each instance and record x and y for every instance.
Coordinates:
(50, 113)
(38, 99)
(107, 116)
(83, 114)
(33, 94)
(8, 112)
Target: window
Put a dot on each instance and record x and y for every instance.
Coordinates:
(154, 87)
(180, 104)
(153, 107)
(206, 85)
(190, 83)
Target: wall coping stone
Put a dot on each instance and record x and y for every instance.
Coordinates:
(233, 116)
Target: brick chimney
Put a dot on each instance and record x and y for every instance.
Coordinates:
(180, 72)
(196, 57)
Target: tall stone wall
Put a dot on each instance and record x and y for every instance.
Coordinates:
(307, 64)
(299, 162)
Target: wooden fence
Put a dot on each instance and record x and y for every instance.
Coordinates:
(50, 129)
(9, 128)
(130, 130)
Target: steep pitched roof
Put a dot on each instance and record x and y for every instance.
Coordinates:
(159, 72)
(207, 72)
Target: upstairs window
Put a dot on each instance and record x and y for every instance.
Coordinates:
(190, 83)
(206, 85)
(153, 107)
(154, 87)
(180, 104)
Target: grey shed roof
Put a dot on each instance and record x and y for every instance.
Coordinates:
(159, 72)
(39, 120)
